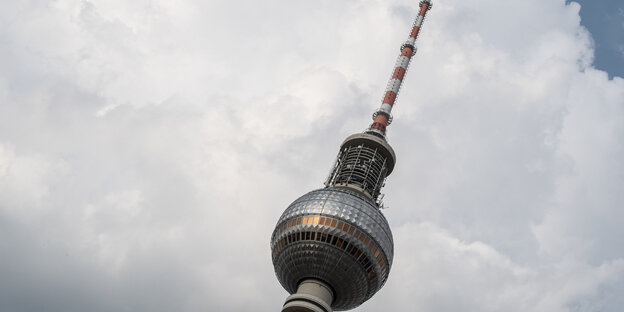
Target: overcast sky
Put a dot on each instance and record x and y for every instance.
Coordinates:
(147, 149)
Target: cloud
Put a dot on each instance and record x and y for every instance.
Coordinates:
(148, 148)
(482, 279)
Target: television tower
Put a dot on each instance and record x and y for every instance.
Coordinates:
(332, 248)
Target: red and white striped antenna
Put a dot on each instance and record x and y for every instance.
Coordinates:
(383, 116)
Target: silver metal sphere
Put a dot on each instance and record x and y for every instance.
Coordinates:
(338, 236)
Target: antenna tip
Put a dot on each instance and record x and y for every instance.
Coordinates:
(427, 2)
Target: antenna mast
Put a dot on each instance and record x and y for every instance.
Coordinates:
(383, 116)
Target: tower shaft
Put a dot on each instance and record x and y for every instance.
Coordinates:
(383, 116)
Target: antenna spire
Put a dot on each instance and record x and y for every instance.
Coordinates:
(383, 116)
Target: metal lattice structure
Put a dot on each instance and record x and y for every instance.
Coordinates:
(332, 248)
(363, 163)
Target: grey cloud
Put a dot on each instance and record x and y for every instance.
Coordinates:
(147, 149)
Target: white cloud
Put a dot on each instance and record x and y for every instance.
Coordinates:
(147, 148)
(447, 274)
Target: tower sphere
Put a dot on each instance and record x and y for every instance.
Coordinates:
(332, 248)
(337, 236)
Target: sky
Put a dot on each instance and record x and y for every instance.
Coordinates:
(605, 20)
(147, 149)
